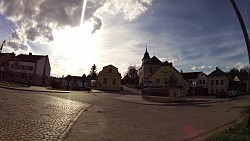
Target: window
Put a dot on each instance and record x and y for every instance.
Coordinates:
(222, 90)
(22, 76)
(151, 70)
(204, 81)
(30, 77)
(212, 91)
(114, 81)
(110, 70)
(216, 82)
(221, 82)
(212, 82)
(16, 75)
(165, 80)
(157, 81)
(200, 81)
(30, 68)
(11, 65)
(104, 80)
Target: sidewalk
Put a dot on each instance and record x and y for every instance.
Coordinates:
(33, 89)
(195, 100)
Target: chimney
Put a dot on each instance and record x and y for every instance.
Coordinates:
(217, 68)
(30, 53)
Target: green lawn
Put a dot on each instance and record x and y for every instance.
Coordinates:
(237, 132)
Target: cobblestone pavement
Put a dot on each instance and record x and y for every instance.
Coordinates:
(25, 117)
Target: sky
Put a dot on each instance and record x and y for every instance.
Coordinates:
(195, 35)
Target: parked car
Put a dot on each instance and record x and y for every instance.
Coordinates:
(232, 93)
(223, 94)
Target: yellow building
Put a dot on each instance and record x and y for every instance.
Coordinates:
(154, 73)
(218, 81)
(109, 78)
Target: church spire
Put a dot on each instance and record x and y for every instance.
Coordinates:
(146, 56)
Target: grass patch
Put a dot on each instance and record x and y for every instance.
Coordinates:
(237, 132)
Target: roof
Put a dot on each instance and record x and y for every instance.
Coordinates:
(73, 77)
(110, 66)
(166, 63)
(3, 54)
(217, 72)
(29, 58)
(190, 75)
(153, 60)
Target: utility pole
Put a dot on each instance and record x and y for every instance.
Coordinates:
(244, 30)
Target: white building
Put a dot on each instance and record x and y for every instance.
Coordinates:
(196, 79)
(29, 69)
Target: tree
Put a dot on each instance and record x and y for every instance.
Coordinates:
(132, 74)
(93, 73)
(68, 79)
(233, 72)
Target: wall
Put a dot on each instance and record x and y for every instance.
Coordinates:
(109, 77)
(219, 87)
(164, 73)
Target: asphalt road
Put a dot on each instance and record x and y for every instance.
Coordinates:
(110, 119)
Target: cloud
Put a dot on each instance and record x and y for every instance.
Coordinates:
(130, 9)
(169, 59)
(240, 66)
(202, 67)
(36, 20)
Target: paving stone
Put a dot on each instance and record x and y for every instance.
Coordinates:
(35, 117)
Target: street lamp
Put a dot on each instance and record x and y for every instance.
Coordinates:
(1, 48)
(244, 30)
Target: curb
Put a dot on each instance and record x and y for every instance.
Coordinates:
(12, 88)
(68, 129)
(174, 104)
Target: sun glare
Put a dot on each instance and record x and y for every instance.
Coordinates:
(76, 47)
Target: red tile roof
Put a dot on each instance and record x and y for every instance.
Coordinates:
(29, 58)
(3, 54)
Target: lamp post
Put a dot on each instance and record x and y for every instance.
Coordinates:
(194, 84)
(244, 30)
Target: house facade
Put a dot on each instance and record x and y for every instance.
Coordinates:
(197, 82)
(73, 82)
(29, 69)
(218, 81)
(154, 73)
(4, 64)
(196, 79)
(109, 79)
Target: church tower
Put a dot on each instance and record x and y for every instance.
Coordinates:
(146, 56)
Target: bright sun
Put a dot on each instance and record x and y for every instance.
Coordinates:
(76, 47)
